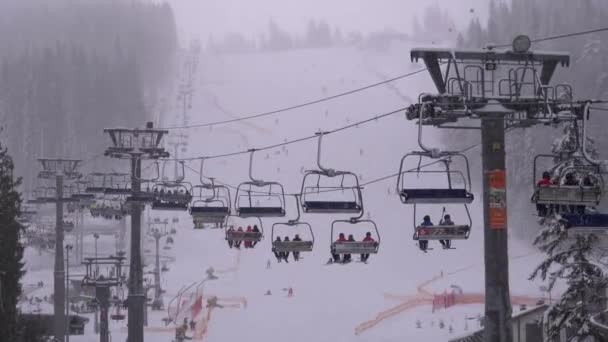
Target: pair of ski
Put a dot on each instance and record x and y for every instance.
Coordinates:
(332, 262)
(430, 249)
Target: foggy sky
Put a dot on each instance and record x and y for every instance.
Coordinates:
(205, 17)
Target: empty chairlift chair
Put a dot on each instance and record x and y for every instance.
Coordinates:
(210, 202)
(97, 183)
(291, 227)
(435, 195)
(258, 198)
(327, 191)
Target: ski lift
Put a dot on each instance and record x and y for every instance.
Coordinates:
(342, 198)
(355, 247)
(145, 194)
(118, 184)
(587, 192)
(435, 195)
(442, 231)
(81, 193)
(67, 225)
(171, 196)
(118, 315)
(273, 202)
(212, 208)
(96, 183)
(293, 246)
(235, 235)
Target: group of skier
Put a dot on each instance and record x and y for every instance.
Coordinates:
(346, 258)
(446, 221)
(568, 180)
(285, 255)
(248, 244)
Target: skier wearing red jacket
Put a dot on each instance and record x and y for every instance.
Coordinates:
(368, 238)
(341, 238)
(248, 244)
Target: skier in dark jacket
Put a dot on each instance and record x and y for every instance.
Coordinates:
(296, 255)
(278, 255)
(424, 244)
(447, 221)
(286, 254)
(255, 230)
(347, 257)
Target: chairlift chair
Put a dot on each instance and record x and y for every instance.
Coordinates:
(355, 247)
(449, 195)
(321, 198)
(212, 208)
(96, 183)
(237, 236)
(251, 192)
(171, 196)
(443, 232)
(576, 195)
(293, 246)
(586, 223)
(118, 184)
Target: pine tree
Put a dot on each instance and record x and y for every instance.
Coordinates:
(11, 250)
(570, 258)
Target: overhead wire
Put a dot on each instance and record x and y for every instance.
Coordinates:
(301, 105)
(290, 142)
(560, 36)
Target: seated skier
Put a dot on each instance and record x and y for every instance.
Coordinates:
(341, 238)
(368, 238)
(447, 221)
(296, 255)
(424, 244)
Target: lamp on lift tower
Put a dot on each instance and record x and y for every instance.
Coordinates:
(521, 44)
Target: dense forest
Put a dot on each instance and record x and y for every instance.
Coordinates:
(587, 74)
(70, 68)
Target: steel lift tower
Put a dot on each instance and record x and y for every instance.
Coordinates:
(136, 145)
(503, 89)
(60, 170)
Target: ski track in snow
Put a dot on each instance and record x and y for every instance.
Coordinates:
(329, 302)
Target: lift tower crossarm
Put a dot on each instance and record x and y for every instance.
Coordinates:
(435, 57)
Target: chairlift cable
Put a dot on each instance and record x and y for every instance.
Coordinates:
(305, 104)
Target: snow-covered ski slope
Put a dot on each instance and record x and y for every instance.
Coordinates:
(330, 302)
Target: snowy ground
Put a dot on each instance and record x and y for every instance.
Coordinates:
(329, 302)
